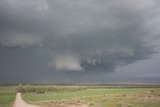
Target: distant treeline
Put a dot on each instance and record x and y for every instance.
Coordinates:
(48, 88)
(74, 88)
(124, 86)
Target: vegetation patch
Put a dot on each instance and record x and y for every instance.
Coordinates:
(7, 96)
(132, 97)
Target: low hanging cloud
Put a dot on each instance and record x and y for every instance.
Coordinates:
(103, 35)
(64, 63)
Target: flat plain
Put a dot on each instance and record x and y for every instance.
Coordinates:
(78, 96)
(7, 96)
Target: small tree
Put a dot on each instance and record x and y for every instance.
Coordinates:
(20, 89)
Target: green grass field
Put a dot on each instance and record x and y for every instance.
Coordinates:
(134, 97)
(97, 96)
(7, 96)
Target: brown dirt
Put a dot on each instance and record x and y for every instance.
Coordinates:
(65, 104)
(19, 102)
(75, 105)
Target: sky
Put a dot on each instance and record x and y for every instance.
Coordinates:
(79, 41)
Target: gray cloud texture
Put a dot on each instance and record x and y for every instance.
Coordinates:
(20, 40)
(84, 35)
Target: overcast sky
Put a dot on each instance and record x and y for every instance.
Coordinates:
(79, 41)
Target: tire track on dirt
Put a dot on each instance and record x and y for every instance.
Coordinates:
(19, 102)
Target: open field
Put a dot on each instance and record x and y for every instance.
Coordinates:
(97, 97)
(7, 96)
(93, 96)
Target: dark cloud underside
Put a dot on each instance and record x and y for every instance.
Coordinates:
(68, 38)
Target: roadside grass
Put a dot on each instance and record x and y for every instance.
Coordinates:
(7, 96)
(33, 98)
(133, 97)
(95, 96)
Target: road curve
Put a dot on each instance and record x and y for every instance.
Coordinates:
(19, 102)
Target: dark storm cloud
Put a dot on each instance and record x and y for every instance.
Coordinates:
(91, 35)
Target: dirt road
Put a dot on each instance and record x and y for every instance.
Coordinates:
(19, 102)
